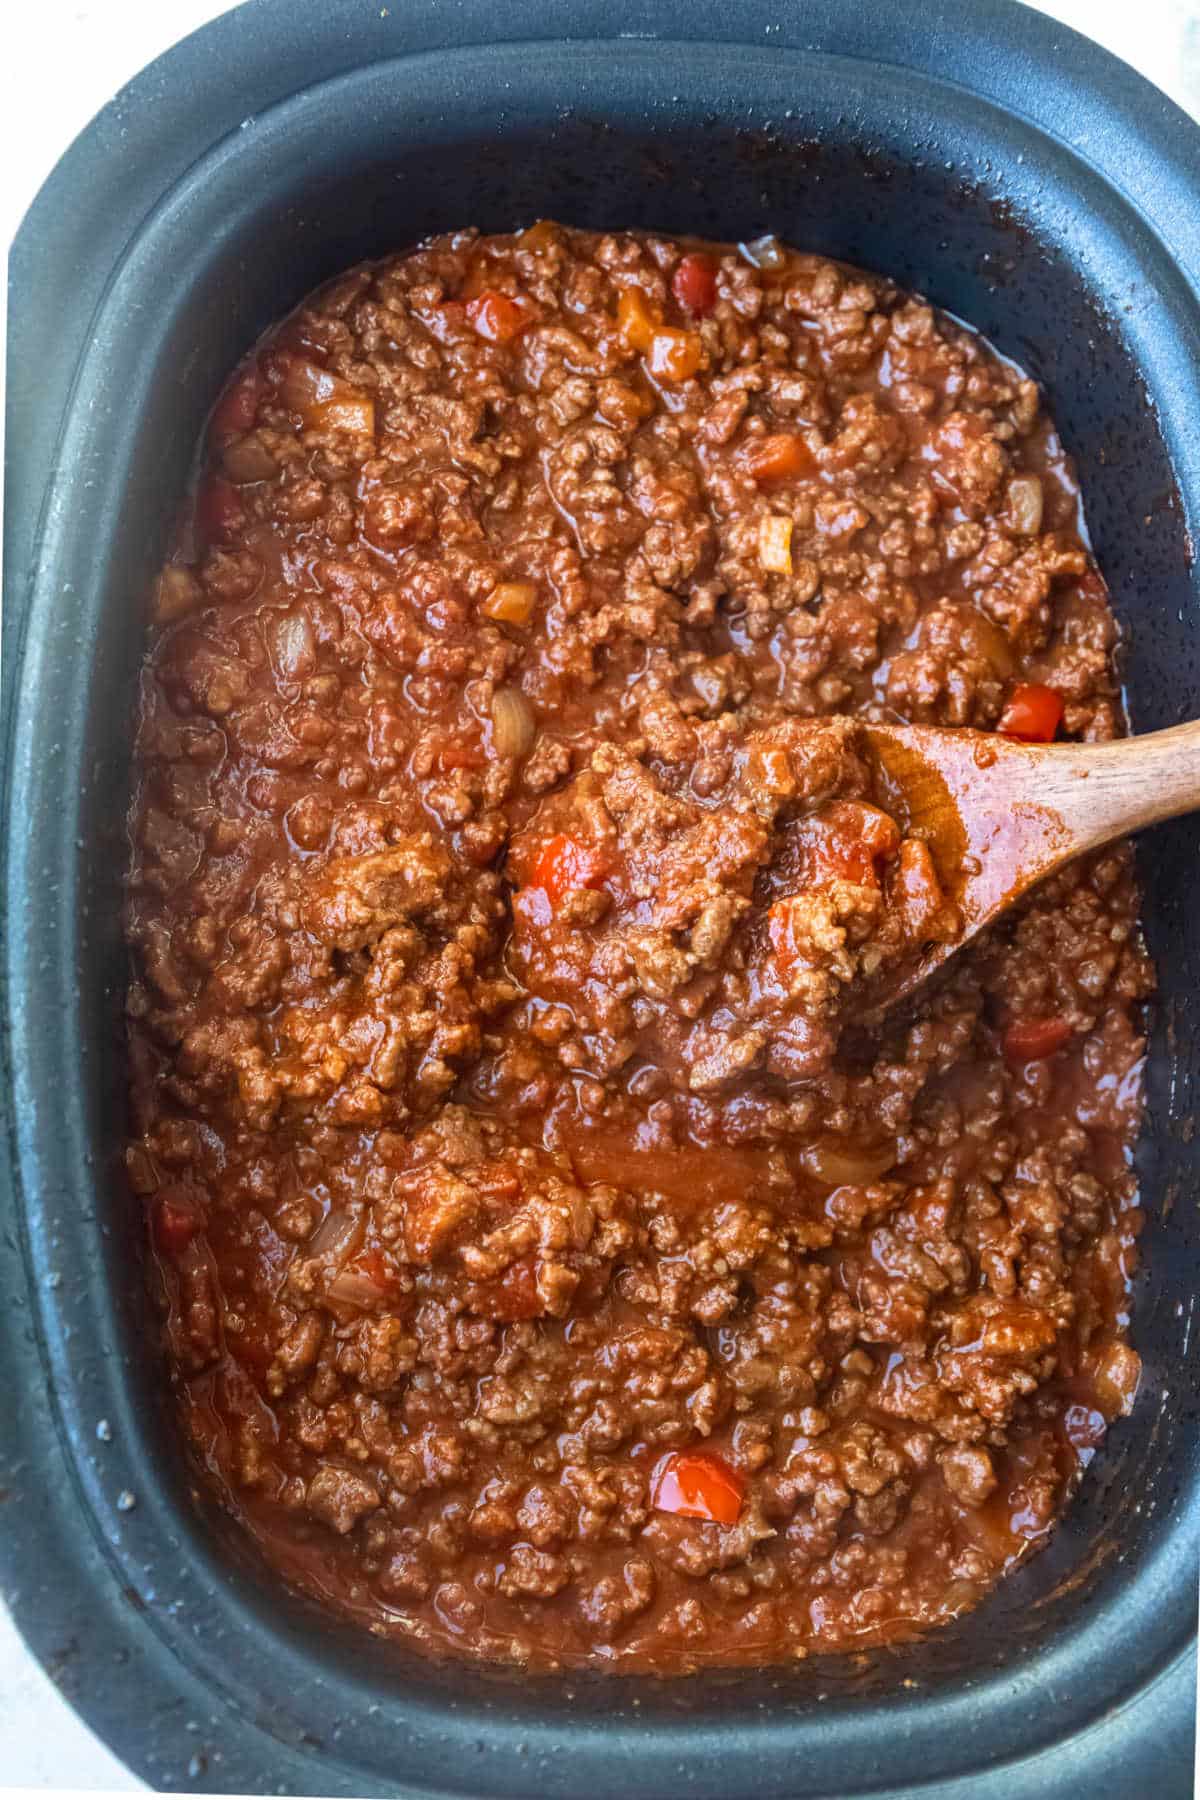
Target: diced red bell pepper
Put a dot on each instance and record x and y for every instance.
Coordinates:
(694, 284)
(1033, 714)
(696, 1484)
(1032, 1040)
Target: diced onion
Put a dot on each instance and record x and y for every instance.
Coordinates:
(347, 411)
(306, 384)
(775, 543)
(1026, 503)
(248, 459)
(513, 724)
(292, 643)
(338, 1234)
(511, 602)
(178, 592)
(356, 1286)
(1116, 1372)
(846, 1165)
(994, 643)
(764, 252)
(325, 400)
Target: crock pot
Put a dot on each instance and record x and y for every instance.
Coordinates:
(981, 154)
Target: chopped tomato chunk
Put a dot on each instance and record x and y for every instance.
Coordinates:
(219, 511)
(846, 840)
(696, 1484)
(694, 283)
(1033, 714)
(770, 768)
(458, 754)
(498, 317)
(780, 457)
(373, 1266)
(364, 1281)
(173, 1226)
(635, 321)
(674, 355)
(1030, 1040)
(784, 936)
(541, 235)
(564, 863)
(917, 897)
(511, 1295)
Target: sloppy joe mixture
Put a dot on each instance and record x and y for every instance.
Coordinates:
(555, 1265)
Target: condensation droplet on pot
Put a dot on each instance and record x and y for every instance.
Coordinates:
(104, 1431)
(764, 252)
(126, 1501)
(197, 1765)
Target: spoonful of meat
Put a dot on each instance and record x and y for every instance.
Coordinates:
(998, 815)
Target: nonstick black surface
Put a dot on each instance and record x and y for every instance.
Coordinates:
(1042, 192)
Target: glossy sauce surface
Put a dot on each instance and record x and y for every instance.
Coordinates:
(553, 1268)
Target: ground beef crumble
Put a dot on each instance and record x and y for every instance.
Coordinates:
(552, 1267)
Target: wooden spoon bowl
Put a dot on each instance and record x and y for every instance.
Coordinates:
(999, 815)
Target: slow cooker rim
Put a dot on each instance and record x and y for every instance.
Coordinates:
(999, 9)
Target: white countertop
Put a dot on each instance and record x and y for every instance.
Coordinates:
(51, 98)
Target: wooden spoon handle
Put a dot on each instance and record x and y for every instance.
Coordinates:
(1102, 791)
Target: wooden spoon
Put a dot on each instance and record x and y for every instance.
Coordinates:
(999, 815)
